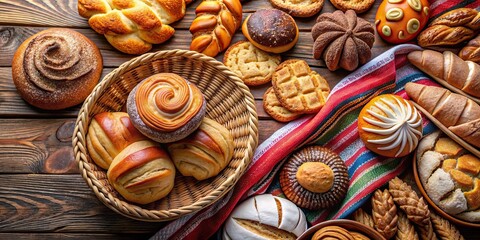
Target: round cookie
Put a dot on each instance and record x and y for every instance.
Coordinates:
(302, 8)
(253, 65)
(359, 6)
(56, 68)
(315, 178)
(274, 108)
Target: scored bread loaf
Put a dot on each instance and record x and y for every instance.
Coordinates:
(448, 67)
(471, 52)
(214, 25)
(451, 28)
(265, 217)
(458, 113)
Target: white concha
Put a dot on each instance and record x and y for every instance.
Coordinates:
(439, 184)
(427, 164)
(455, 203)
(265, 217)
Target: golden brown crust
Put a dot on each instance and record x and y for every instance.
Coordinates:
(46, 85)
(406, 230)
(414, 207)
(359, 6)
(471, 52)
(253, 65)
(445, 229)
(363, 217)
(384, 213)
(304, 8)
(271, 30)
(274, 108)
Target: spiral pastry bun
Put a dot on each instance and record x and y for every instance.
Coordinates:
(56, 68)
(165, 107)
(390, 126)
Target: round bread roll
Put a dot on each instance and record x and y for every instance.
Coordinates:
(265, 217)
(56, 68)
(108, 134)
(142, 172)
(165, 107)
(204, 153)
(390, 126)
(271, 30)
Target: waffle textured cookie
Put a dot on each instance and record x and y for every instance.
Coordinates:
(299, 8)
(274, 108)
(298, 88)
(253, 65)
(359, 6)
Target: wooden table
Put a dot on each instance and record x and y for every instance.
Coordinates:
(42, 195)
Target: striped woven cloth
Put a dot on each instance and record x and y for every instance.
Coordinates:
(335, 127)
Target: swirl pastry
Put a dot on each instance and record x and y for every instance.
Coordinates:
(314, 178)
(390, 126)
(56, 68)
(204, 153)
(165, 107)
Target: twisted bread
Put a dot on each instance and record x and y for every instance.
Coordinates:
(464, 75)
(214, 25)
(471, 52)
(451, 28)
(133, 26)
(459, 114)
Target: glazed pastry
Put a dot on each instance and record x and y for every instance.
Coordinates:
(305, 8)
(133, 26)
(343, 40)
(471, 52)
(108, 134)
(449, 175)
(142, 172)
(390, 126)
(359, 6)
(456, 112)
(214, 25)
(204, 153)
(56, 68)
(298, 88)
(165, 107)
(251, 64)
(448, 67)
(274, 108)
(265, 217)
(271, 30)
(399, 21)
(451, 28)
(314, 178)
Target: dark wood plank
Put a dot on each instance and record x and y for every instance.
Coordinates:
(61, 204)
(44, 145)
(78, 236)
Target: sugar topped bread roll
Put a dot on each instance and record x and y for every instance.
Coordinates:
(165, 107)
(265, 217)
(390, 126)
(204, 153)
(56, 68)
(108, 134)
(142, 172)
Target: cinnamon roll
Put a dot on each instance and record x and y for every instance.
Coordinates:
(165, 107)
(56, 68)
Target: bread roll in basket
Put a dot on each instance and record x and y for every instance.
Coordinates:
(229, 102)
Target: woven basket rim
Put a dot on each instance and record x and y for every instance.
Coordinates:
(135, 211)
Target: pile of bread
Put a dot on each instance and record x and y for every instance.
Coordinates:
(164, 130)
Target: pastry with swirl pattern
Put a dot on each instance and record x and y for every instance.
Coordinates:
(56, 68)
(390, 126)
(315, 178)
(165, 107)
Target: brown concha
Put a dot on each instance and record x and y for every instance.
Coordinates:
(343, 40)
(305, 198)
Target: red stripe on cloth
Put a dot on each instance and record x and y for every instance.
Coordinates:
(352, 159)
(343, 134)
(363, 168)
(443, 7)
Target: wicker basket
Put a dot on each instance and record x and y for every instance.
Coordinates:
(229, 102)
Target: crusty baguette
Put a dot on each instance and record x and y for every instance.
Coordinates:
(458, 113)
(461, 74)
(471, 52)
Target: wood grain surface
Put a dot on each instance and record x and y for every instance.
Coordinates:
(42, 195)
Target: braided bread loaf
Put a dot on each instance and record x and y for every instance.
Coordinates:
(214, 25)
(133, 26)
(451, 28)
(471, 52)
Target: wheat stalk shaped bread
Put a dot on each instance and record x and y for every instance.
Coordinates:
(445, 230)
(363, 217)
(384, 213)
(414, 207)
(405, 229)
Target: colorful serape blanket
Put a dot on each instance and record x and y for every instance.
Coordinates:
(335, 127)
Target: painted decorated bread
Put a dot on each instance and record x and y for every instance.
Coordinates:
(390, 126)
(314, 178)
